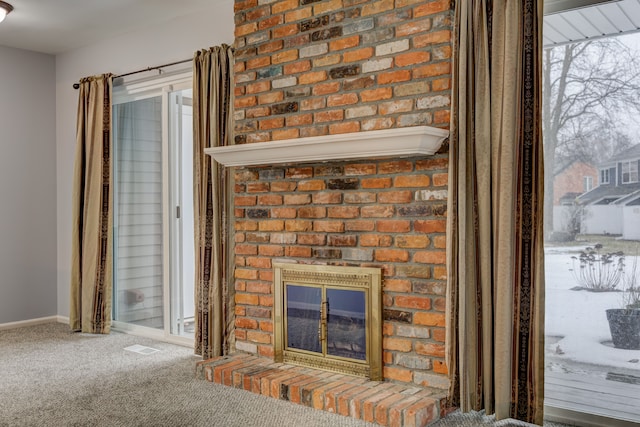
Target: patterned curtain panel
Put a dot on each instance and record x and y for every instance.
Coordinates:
(495, 248)
(91, 269)
(212, 124)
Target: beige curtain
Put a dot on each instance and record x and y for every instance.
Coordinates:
(495, 248)
(212, 123)
(91, 268)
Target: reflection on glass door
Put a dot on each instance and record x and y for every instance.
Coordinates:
(153, 214)
(303, 317)
(346, 323)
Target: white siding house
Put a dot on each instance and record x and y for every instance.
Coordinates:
(613, 207)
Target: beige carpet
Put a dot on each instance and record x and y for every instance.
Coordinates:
(52, 377)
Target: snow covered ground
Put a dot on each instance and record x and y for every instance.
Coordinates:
(575, 321)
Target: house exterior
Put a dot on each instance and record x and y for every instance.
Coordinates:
(571, 178)
(613, 207)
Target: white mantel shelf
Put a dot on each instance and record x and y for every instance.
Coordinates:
(401, 142)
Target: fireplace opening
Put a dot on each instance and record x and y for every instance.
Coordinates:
(328, 317)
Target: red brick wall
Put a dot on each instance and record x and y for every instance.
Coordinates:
(571, 180)
(307, 68)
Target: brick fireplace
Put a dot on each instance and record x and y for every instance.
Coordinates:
(307, 68)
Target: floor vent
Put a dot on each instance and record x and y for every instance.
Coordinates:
(141, 349)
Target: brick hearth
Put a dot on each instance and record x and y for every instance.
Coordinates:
(384, 403)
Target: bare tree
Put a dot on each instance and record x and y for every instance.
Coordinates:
(595, 143)
(590, 90)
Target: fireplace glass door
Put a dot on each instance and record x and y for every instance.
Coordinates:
(326, 320)
(328, 317)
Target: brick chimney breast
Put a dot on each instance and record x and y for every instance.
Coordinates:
(308, 68)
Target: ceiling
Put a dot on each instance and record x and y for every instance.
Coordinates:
(568, 21)
(56, 26)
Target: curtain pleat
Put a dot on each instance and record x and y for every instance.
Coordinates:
(495, 293)
(91, 257)
(212, 123)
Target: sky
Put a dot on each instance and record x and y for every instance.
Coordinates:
(633, 41)
(629, 120)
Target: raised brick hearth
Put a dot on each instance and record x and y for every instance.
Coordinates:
(383, 403)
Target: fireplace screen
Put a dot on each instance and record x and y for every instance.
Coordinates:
(328, 317)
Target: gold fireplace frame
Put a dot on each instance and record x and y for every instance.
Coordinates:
(361, 278)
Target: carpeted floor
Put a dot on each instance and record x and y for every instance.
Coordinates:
(51, 377)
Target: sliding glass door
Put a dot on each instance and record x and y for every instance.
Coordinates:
(153, 215)
(592, 248)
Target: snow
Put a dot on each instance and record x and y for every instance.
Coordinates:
(578, 318)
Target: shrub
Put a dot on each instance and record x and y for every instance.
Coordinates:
(631, 287)
(597, 271)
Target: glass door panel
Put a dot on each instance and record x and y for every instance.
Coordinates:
(592, 238)
(346, 333)
(303, 317)
(138, 213)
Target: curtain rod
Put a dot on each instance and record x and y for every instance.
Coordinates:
(157, 67)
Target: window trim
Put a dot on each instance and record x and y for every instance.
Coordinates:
(631, 165)
(127, 91)
(605, 173)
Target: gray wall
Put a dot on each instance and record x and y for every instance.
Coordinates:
(27, 185)
(37, 138)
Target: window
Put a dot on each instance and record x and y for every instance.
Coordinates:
(629, 172)
(585, 365)
(587, 183)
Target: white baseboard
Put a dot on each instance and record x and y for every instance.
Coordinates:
(32, 322)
